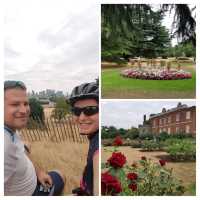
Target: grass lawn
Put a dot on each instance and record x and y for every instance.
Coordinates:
(116, 86)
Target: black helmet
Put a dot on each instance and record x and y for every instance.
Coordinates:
(85, 91)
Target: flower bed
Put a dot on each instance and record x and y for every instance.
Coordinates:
(156, 74)
(151, 145)
(144, 177)
(182, 150)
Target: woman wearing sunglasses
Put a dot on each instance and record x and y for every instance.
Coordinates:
(84, 100)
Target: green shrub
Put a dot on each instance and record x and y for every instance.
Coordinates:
(132, 134)
(181, 135)
(182, 150)
(162, 136)
(61, 109)
(146, 136)
(147, 177)
(151, 145)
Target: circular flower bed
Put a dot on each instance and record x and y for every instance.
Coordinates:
(156, 74)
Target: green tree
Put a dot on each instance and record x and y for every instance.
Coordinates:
(37, 111)
(132, 30)
(183, 49)
(132, 133)
(184, 24)
(109, 132)
(61, 109)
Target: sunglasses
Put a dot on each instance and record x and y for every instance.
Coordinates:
(88, 110)
(13, 84)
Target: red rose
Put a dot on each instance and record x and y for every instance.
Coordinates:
(117, 160)
(117, 141)
(143, 158)
(162, 162)
(110, 184)
(132, 176)
(133, 186)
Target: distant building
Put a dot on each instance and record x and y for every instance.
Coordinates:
(50, 93)
(59, 94)
(145, 127)
(181, 119)
(42, 94)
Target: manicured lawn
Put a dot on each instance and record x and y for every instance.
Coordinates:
(116, 86)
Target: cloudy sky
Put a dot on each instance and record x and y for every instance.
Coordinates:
(51, 43)
(125, 114)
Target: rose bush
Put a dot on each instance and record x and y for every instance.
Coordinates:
(182, 150)
(144, 177)
(117, 141)
(110, 185)
(151, 145)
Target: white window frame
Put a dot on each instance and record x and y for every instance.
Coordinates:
(187, 128)
(177, 117)
(169, 119)
(188, 114)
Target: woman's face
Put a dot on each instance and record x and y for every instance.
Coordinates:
(88, 124)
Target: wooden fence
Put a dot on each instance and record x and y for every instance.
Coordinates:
(53, 130)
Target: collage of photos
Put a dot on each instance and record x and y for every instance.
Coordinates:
(148, 146)
(68, 63)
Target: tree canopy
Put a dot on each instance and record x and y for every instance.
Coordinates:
(136, 30)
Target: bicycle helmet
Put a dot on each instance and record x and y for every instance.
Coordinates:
(84, 91)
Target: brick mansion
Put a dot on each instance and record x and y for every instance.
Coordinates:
(181, 119)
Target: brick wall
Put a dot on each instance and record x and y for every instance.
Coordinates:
(181, 120)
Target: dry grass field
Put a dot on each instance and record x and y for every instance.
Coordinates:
(184, 171)
(60, 147)
(69, 158)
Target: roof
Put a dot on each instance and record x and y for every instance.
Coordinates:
(178, 108)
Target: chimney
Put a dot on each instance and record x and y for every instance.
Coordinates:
(144, 118)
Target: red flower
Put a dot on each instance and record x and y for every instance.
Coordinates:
(117, 160)
(132, 176)
(110, 184)
(162, 162)
(117, 141)
(143, 158)
(133, 186)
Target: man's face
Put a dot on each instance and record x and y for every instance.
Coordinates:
(16, 108)
(87, 124)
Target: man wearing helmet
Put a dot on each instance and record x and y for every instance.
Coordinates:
(84, 101)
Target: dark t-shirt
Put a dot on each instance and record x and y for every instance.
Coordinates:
(88, 172)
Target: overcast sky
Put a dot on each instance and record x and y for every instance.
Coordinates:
(51, 44)
(125, 114)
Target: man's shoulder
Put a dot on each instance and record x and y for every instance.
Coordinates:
(7, 138)
(9, 145)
